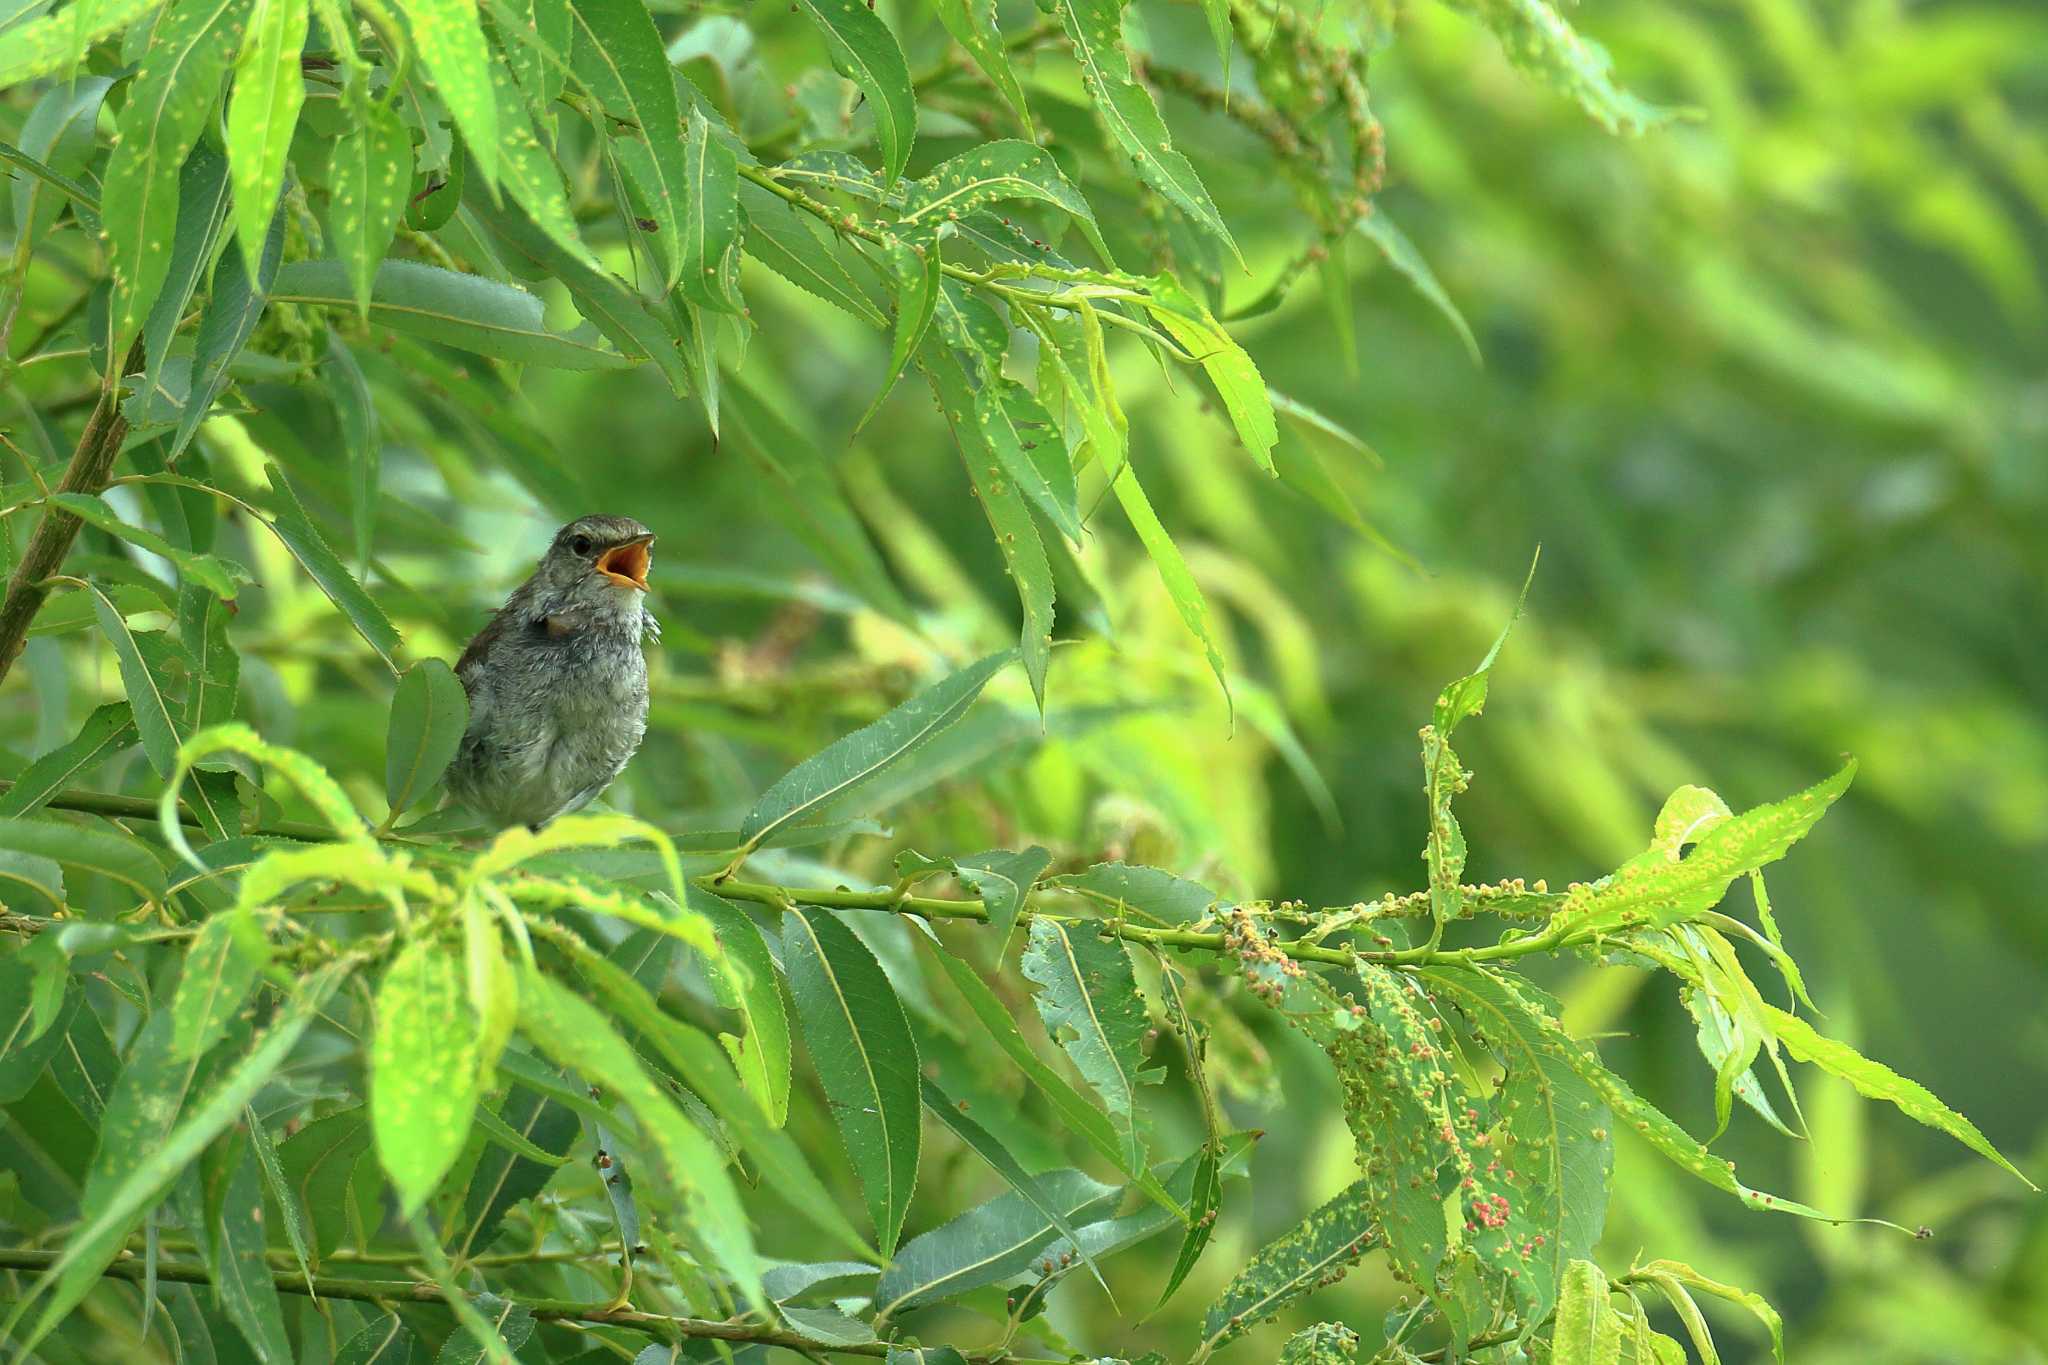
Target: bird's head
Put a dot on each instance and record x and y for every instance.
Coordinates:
(600, 561)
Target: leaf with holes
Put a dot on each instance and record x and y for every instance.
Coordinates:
(1088, 997)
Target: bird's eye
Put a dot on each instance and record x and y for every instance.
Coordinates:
(581, 545)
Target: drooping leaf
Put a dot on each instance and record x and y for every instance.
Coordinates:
(248, 1294)
(503, 1177)
(449, 37)
(425, 1068)
(1667, 1272)
(221, 967)
(853, 759)
(221, 577)
(59, 133)
(240, 294)
(710, 240)
(1306, 1257)
(1537, 39)
(861, 1044)
(986, 1244)
(1088, 997)
(761, 1053)
(370, 174)
(687, 1176)
(865, 52)
(147, 697)
(1226, 363)
(202, 208)
(972, 24)
(428, 715)
(468, 312)
(263, 112)
(527, 170)
(913, 267)
(1587, 1330)
(1126, 110)
(1402, 254)
(168, 105)
(617, 55)
(1005, 169)
(781, 237)
(321, 564)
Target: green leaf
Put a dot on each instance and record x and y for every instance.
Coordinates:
(1401, 253)
(1659, 887)
(146, 697)
(221, 577)
(1226, 363)
(914, 270)
(1587, 1330)
(263, 112)
(1120, 889)
(994, 172)
(52, 42)
(507, 1326)
(370, 175)
(1553, 1130)
(1173, 569)
(117, 856)
(1002, 879)
(168, 105)
(1875, 1080)
(59, 132)
(710, 244)
(145, 1142)
(972, 24)
(687, 1175)
(853, 759)
(232, 312)
(1125, 108)
(384, 1341)
(1536, 38)
(1304, 1258)
(987, 1244)
(450, 40)
(299, 535)
(1665, 1274)
(222, 964)
(503, 1177)
(29, 1037)
(468, 312)
(241, 1274)
(425, 1069)
(106, 732)
(861, 1045)
(363, 444)
(428, 715)
(331, 1170)
(865, 52)
(202, 213)
(618, 56)
(761, 1053)
(528, 170)
(1088, 997)
(780, 236)
(290, 1211)
(1325, 1343)
(1072, 1107)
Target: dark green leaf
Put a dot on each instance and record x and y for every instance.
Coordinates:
(1006, 169)
(384, 1341)
(986, 1244)
(248, 1295)
(428, 715)
(106, 732)
(1384, 233)
(221, 577)
(202, 213)
(1089, 1000)
(865, 52)
(232, 311)
(299, 535)
(710, 243)
(619, 58)
(1119, 889)
(861, 1045)
(117, 856)
(1307, 1256)
(780, 236)
(914, 271)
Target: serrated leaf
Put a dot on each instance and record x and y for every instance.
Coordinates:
(263, 112)
(780, 236)
(1874, 1080)
(468, 312)
(988, 1243)
(618, 56)
(290, 1212)
(221, 577)
(106, 732)
(1088, 997)
(370, 175)
(865, 52)
(1072, 1107)
(299, 535)
(1125, 108)
(710, 245)
(428, 715)
(1667, 1272)
(1401, 253)
(449, 37)
(1013, 427)
(972, 24)
(425, 1069)
(527, 169)
(1587, 1330)
(761, 1053)
(321, 1164)
(1002, 502)
(1301, 1260)
(221, 967)
(1003, 170)
(914, 273)
(202, 210)
(145, 1142)
(1536, 38)
(1001, 878)
(853, 759)
(687, 1175)
(168, 105)
(861, 1045)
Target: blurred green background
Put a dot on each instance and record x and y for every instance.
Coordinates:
(1768, 386)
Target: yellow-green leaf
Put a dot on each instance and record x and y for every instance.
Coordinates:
(425, 1069)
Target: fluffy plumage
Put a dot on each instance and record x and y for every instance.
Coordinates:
(556, 680)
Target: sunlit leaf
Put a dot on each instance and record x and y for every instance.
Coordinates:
(263, 112)
(1587, 1330)
(371, 172)
(450, 39)
(425, 1069)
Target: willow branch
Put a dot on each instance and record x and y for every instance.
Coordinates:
(90, 465)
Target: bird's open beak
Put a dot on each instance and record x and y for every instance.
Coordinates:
(626, 565)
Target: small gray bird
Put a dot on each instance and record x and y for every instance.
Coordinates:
(557, 683)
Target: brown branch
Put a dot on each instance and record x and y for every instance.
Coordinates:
(90, 466)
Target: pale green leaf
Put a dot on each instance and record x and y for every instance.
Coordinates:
(425, 1069)
(449, 37)
(1587, 1330)
(263, 112)
(370, 175)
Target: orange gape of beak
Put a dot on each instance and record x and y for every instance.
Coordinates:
(626, 565)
